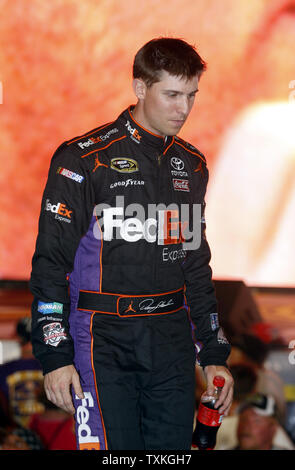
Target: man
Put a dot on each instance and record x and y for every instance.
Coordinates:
(111, 225)
(258, 425)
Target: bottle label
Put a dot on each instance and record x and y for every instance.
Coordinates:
(209, 417)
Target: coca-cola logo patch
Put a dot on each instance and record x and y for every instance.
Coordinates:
(181, 185)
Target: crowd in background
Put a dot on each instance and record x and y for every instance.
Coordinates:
(257, 419)
(28, 421)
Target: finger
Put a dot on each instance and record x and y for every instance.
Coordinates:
(226, 403)
(224, 410)
(222, 397)
(68, 404)
(226, 390)
(65, 399)
(57, 397)
(48, 395)
(210, 387)
(57, 394)
(77, 386)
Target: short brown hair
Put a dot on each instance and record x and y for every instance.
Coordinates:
(173, 55)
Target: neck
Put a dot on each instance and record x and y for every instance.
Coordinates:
(138, 115)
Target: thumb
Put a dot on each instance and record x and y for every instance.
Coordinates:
(210, 387)
(77, 386)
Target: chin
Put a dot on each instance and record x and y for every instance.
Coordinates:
(247, 444)
(173, 131)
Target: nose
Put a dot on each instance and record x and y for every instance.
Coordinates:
(183, 105)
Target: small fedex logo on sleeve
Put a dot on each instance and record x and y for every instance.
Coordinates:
(49, 307)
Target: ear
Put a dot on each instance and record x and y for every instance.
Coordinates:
(139, 88)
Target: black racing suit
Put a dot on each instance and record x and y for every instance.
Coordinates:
(122, 285)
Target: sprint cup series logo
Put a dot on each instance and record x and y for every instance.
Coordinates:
(124, 165)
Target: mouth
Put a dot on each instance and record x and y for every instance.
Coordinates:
(178, 122)
(245, 436)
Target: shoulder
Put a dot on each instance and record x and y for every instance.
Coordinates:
(80, 150)
(189, 149)
(94, 140)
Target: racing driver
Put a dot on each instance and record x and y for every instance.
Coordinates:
(124, 301)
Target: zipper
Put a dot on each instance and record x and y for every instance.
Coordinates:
(159, 160)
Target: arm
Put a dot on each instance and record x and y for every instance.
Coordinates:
(66, 212)
(214, 348)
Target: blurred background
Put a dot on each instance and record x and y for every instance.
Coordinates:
(65, 68)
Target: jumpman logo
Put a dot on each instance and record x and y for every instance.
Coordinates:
(199, 168)
(130, 309)
(97, 164)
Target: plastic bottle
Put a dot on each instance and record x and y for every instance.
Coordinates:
(208, 418)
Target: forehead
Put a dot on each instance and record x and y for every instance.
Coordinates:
(173, 82)
(252, 412)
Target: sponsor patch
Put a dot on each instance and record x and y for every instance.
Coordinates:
(178, 168)
(48, 318)
(95, 140)
(173, 255)
(164, 227)
(177, 163)
(98, 163)
(125, 183)
(214, 321)
(124, 165)
(60, 210)
(181, 185)
(134, 134)
(53, 334)
(70, 174)
(49, 307)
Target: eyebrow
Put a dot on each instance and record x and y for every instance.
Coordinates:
(180, 92)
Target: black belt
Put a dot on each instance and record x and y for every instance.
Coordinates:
(131, 305)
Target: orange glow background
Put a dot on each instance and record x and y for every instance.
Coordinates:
(65, 68)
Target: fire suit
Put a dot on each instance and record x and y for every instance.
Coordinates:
(119, 277)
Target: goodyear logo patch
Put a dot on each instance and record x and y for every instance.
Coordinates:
(124, 165)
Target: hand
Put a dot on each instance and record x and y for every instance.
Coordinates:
(57, 387)
(226, 396)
